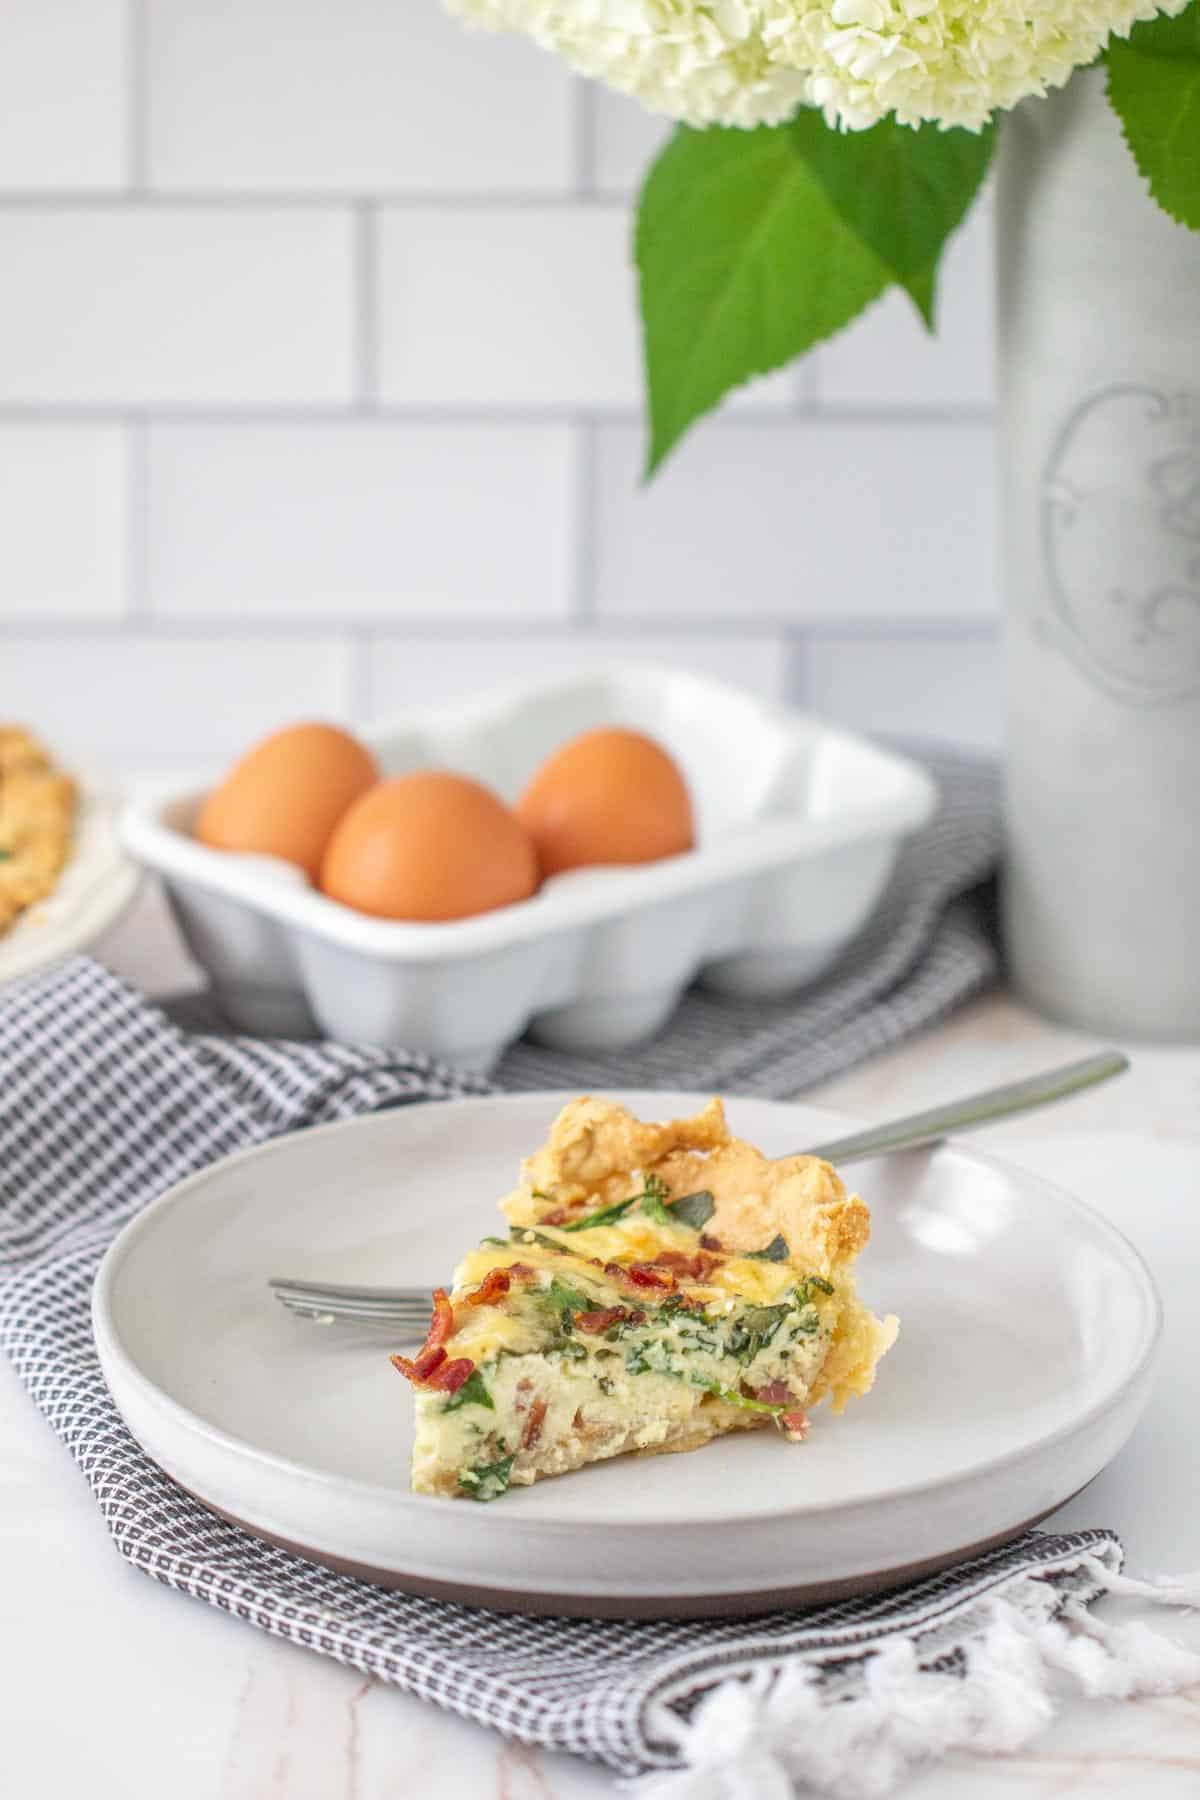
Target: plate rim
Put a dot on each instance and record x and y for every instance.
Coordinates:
(110, 1345)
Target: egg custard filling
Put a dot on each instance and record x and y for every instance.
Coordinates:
(660, 1285)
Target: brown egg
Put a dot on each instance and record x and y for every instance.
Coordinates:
(429, 846)
(286, 795)
(608, 796)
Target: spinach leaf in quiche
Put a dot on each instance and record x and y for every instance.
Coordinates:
(607, 1215)
(487, 1481)
(562, 1298)
(652, 1201)
(473, 1392)
(755, 1328)
(776, 1251)
(730, 1396)
(693, 1209)
(523, 1234)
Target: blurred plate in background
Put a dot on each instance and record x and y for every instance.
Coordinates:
(95, 887)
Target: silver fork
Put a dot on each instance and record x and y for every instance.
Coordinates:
(406, 1310)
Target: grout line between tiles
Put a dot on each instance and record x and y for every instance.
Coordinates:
(168, 628)
(366, 306)
(583, 140)
(137, 100)
(359, 684)
(137, 524)
(796, 672)
(527, 416)
(163, 198)
(582, 523)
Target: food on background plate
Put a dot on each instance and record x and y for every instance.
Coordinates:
(284, 797)
(38, 803)
(429, 846)
(607, 796)
(660, 1285)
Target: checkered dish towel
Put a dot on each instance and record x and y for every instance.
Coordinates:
(104, 1104)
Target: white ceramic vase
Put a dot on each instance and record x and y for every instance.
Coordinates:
(1099, 344)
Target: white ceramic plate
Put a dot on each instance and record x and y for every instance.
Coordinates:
(1027, 1337)
(95, 887)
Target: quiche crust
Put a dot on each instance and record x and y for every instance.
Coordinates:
(37, 818)
(662, 1284)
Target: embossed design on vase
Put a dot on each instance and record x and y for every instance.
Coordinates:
(1099, 293)
(1120, 523)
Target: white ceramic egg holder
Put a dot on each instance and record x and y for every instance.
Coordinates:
(798, 827)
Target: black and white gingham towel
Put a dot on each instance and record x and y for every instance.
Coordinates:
(104, 1104)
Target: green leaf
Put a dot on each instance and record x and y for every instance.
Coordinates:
(486, 1481)
(902, 190)
(1154, 87)
(693, 1209)
(775, 1251)
(730, 1396)
(473, 1392)
(744, 263)
(561, 1297)
(607, 1215)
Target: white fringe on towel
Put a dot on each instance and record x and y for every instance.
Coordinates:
(774, 1733)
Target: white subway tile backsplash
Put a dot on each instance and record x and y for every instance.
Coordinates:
(805, 521)
(111, 698)
(321, 391)
(187, 306)
(625, 140)
(64, 524)
(943, 689)
(889, 359)
(366, 520)
(529, 306)
(411, 671)
(63, 95)
(361, 96)
(521, 306)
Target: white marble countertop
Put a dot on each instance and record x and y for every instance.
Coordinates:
(116, 1687)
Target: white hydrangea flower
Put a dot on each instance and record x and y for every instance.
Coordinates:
(703, 61)
(752, 62)
(955, 61)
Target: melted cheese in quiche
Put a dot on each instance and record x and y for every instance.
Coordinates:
(661, 1284)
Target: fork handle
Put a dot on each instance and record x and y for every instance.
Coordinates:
(918, 1129)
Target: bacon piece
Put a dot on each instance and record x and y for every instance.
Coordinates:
(600, 1320)
(710, 1243)
(442, 1324)
(696, 1267)
(494, 1283)
(533, 1425)
(428, 1359)
(431, 1354)
(449, 1376)
(648, 1275)
(795, 1424)
(774, 1393)
(559, 1216)
(520, 1268)
(422, 1365)
(640, 1274)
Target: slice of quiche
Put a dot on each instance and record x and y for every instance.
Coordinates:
(661, 1284)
